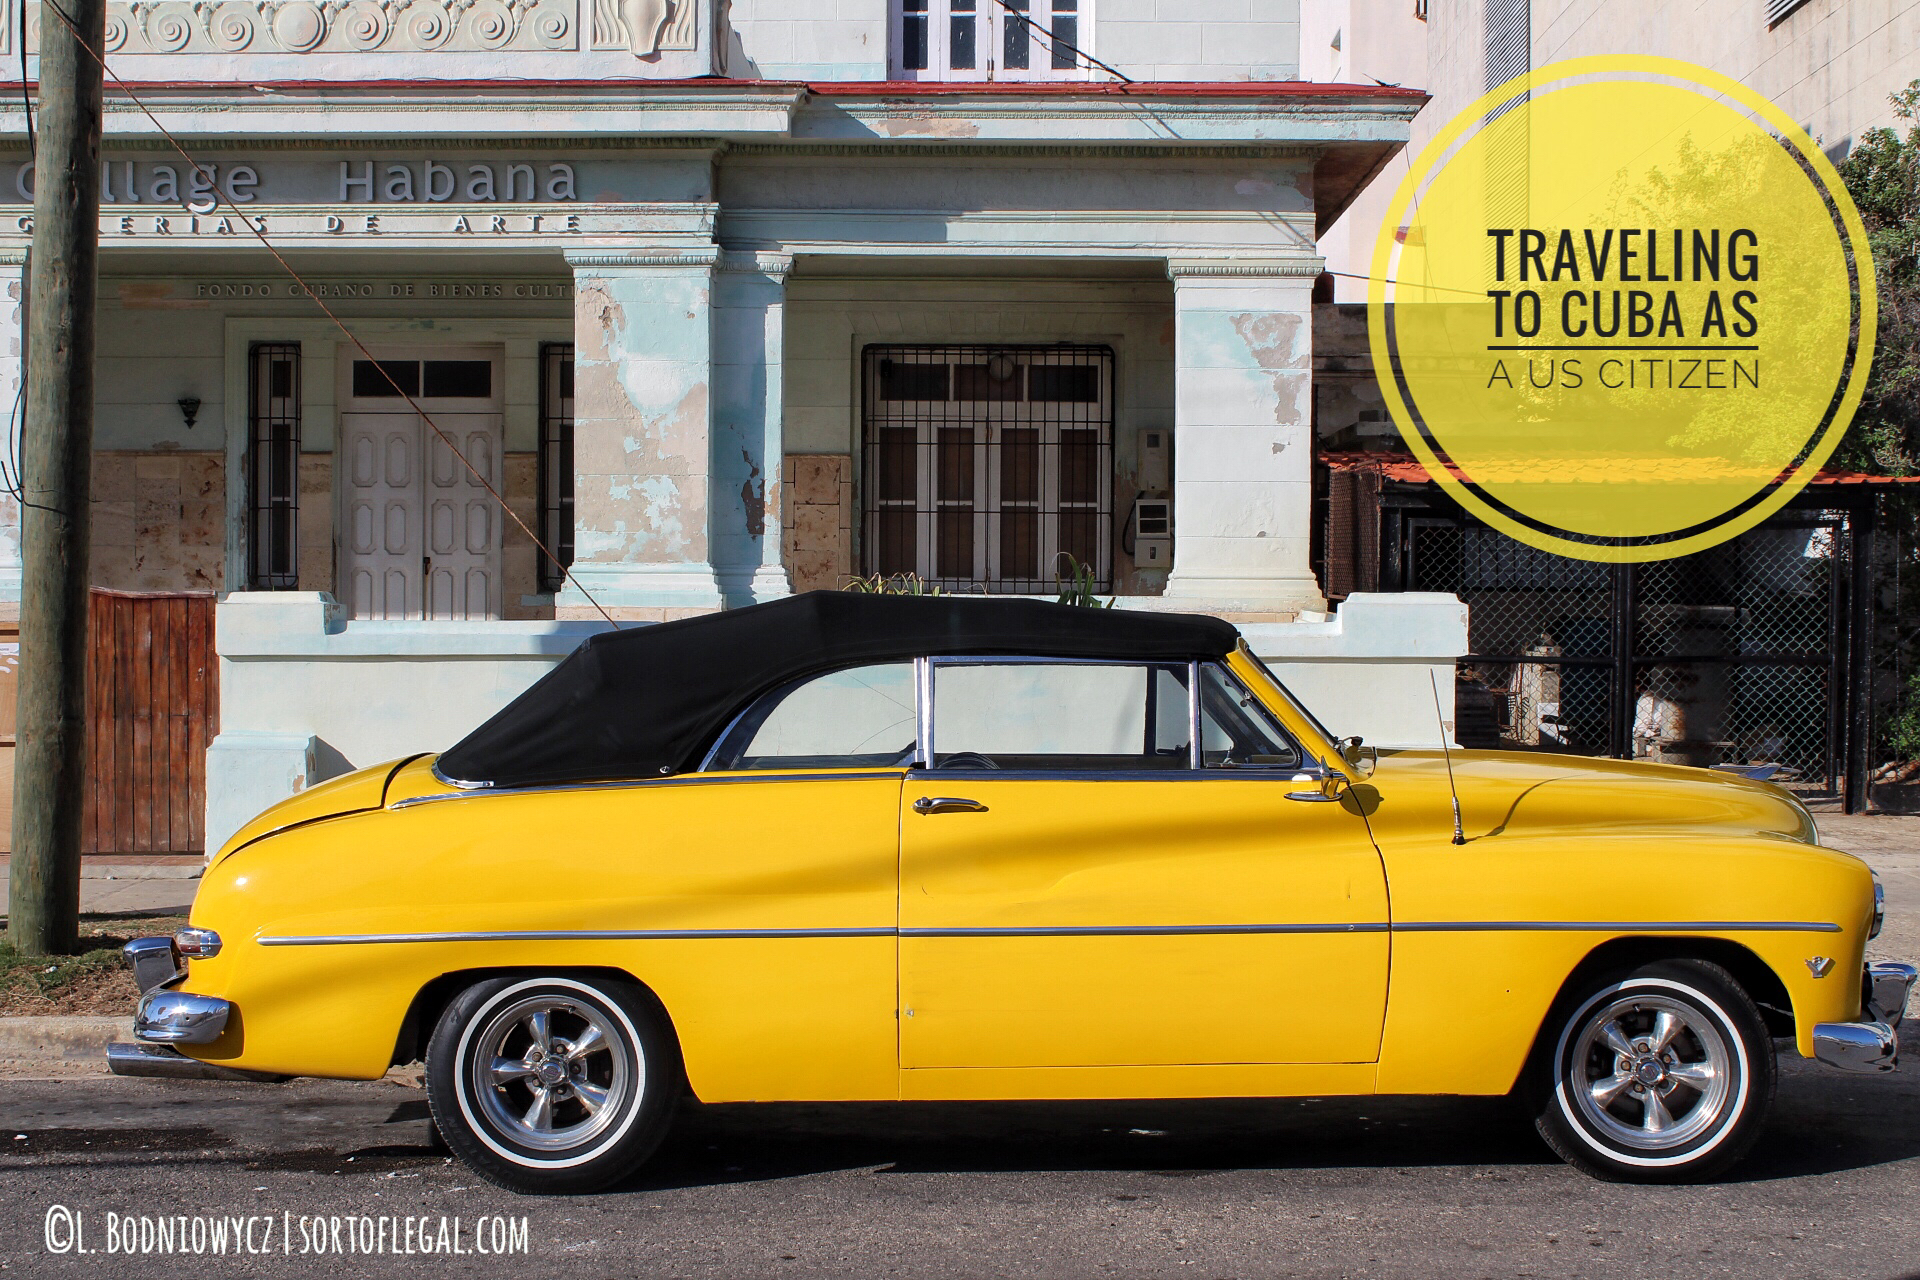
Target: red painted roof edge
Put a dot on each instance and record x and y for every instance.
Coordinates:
(1275, 90)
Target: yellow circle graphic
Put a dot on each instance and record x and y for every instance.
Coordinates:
(1622, 308)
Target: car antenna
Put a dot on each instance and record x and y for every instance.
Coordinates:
(1446, 750)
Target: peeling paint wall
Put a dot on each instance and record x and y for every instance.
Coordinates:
(1243, 473)
(317, 567)
(159, 521)
(643, 349)
(819, 524)
(519, 559)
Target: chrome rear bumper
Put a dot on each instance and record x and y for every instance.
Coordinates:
(169, 1063)
(1873, 1043)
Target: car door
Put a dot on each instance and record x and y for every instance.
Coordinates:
(1079, 887)
(758, 896)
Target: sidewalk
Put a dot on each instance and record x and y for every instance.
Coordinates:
(142, 883)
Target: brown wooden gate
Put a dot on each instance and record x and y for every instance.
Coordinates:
(153, 704)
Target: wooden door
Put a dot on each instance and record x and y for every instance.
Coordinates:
(153, 704)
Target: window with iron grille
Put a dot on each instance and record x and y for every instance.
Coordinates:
(273, 466)
(988, 466)
(990, 39)
(556, 462)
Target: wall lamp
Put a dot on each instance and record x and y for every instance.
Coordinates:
(189, 409)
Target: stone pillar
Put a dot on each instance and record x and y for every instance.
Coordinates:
(1243, 436)
(13, 407)
(749, 331)
(643, 434)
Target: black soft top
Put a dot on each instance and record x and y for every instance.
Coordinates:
(650, 700)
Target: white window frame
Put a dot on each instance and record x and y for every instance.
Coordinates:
(990, 23)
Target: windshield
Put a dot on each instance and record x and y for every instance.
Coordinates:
(1287, 693)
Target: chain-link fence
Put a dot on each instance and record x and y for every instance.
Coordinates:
(1734, 655)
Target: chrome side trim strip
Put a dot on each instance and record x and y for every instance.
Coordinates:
(568, 935)
(682, 780)
(1140, 930)
(1066, 931)
(1616, 926)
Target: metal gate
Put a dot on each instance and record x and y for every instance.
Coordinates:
(1734, 655)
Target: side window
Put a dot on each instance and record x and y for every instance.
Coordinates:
(849, 719)
(1077, 716)
(1236, 731)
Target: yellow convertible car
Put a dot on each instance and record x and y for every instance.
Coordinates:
(847, 847)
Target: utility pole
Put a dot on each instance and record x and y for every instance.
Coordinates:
(49, 790)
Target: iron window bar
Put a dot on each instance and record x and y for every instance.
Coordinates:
(273, 466)
(987, 466)
(556, 462)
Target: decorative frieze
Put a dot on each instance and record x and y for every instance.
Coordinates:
(641, 28)
(342, 26)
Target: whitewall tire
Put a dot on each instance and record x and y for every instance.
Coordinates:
(1659, 1073)
(553, 1084)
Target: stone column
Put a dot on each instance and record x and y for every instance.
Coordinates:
(643, 433)
(13, 410)
(749, 331)
(1243, 436)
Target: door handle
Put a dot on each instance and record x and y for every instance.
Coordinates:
(947, 804)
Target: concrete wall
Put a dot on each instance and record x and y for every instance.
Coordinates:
(1830, 64)
(1199, 39)
(306, 695)
(1144, 39)
(1377, 40)
(1372, 667)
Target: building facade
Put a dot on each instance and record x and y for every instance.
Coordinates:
(714, 301)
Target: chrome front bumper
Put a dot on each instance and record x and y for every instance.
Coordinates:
(1873, 1043)
(166, 1016)
(169, 1063)
(180, 1017)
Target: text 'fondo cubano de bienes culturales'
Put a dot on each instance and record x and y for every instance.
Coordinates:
(1698, 333)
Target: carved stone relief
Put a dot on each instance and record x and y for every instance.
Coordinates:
(347, 26)
(646, 27)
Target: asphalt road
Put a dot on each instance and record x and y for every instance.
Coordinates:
(1351, 1187)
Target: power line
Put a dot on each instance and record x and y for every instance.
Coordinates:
(1054, 41)
(207, 183)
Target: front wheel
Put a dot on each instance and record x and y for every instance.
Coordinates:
(1658, 1073)
(553, 1085)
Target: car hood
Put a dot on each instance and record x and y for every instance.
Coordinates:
(356, 792)
(1515, 792)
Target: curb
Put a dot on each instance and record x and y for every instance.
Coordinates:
(71, 1041)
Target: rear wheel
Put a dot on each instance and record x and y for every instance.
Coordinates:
(553, 1085)
(1658, 1073)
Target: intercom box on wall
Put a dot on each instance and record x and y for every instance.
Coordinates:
(1153, 533)
(1154, 472)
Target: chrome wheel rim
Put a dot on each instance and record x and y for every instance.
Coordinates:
(1650, 1072)
(551, 1073)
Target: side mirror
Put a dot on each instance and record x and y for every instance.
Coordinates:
(1359, 757)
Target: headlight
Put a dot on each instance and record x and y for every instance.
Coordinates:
(1879, 908)
(197, 944)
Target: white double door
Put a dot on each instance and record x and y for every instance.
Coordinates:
(420, 534)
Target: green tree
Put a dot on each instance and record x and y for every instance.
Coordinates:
(1883, 177)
